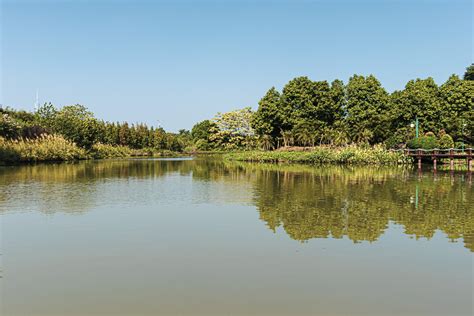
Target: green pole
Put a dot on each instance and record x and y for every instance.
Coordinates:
(416, 125)
(462, 136)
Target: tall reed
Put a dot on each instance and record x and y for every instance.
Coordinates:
(43, 148)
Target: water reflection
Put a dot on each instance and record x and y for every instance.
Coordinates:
(307, 202)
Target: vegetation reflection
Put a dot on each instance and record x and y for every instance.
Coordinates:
(307, 202)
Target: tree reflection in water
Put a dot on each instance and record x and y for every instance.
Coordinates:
(307, 202)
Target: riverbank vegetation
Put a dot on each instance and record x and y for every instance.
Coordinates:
(351, 155)
(310, 113)
(340, 122)
(42, 148)
(358, 203)
(86, 136)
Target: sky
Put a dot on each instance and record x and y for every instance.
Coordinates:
(174, 63)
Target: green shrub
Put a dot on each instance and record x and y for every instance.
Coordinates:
(446, 142)
(9, 128)
(424, 142)
(376, 155)
(103, 151)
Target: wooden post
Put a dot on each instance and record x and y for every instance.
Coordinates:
(434, 157)
(469, 159)
(419, 159)
(451, 160)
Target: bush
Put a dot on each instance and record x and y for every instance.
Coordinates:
(459, 145)
(103, 151)
(9, 128)
(354, 155)
(446, 142)
(43, 148)
(424, 142)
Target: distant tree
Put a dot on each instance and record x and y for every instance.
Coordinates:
(420, 98)
(202, 130)
(469, 74)
(233, 129)
(457, 108)
(367, 104)
(9, 128)
(267, 120)
(46, 115)
(297, 102)
(316, 105)
(124, 134)
(78, 124)
(200, 134)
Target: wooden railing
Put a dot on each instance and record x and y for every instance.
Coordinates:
(435, 154)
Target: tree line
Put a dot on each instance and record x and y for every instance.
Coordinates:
(77, 124)
(309, 113)
(304, 113)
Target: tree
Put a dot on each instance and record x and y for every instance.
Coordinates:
(9, 128)
(77, 124)
(338, 96)
(200, 134)
(124, 134)
(367, 104)
(469, 74)
(317, 105)
(268, 119)
(297, 102)
(304, 133)
(233, 129)
(457, 108)
(420, 98)
(46, 114)
(202, 130)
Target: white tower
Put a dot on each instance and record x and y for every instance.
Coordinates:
(37, 100)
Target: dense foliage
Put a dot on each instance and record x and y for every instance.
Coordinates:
(351, 155)
(78, 125)
(362, 111)
(309, 113)
(305, 113)
(469, 74)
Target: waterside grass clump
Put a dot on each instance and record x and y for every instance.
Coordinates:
(56, 148)
(43, 148)
(351, 155)
(104, 151)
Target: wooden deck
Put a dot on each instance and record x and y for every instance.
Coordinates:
(435, 154)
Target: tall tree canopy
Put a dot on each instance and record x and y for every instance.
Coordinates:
(367, 104)
(469, 74)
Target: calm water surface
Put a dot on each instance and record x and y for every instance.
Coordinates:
(206, 237)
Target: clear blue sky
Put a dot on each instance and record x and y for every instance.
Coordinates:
(174, 63)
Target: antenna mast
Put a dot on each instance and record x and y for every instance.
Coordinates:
(37, 100)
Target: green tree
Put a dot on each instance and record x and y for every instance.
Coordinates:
(316, 105)
(77, 124)
(267, 120)
(367, 103)
(469, 74)
(9, 128)
(200, 134)
(457, 108)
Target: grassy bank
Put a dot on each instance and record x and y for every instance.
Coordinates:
(44, 148)
(351, 155)
(57, 148)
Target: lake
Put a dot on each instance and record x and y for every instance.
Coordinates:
(208, 237)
